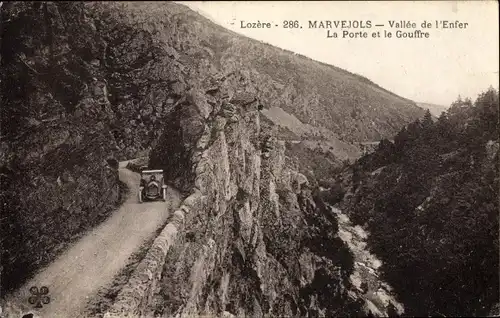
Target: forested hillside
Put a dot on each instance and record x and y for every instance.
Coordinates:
(430, 201)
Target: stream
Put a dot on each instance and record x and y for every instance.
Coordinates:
(366, 274)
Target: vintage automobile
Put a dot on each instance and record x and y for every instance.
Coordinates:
(152, 187)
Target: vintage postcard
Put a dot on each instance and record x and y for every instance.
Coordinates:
(249, 159)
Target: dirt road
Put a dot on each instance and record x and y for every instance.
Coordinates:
(97, 257)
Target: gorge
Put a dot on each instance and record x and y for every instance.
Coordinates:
(258, 145)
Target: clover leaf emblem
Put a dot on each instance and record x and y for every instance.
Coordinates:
(39, 296)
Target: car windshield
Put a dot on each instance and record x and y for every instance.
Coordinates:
(156, 175)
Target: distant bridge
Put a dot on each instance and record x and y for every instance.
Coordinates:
(369, 143)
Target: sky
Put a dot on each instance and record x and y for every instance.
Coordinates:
(451, 62)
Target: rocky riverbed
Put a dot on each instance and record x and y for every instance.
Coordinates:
(378, 295)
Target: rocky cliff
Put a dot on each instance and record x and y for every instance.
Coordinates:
(58, 170)
(87, 84)
(252, 239)
(81, 89)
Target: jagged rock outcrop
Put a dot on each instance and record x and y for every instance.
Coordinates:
(254, 239)
(87, 84)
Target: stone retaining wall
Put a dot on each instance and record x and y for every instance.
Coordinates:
(135, 296)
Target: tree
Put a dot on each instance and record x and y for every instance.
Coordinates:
(487, 109)
(427, 125)
(427, 122)
(414, 130)
(443, 126)
(443, 118)
(401, 139)
(460, 104)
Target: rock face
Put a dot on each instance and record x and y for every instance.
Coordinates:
(257, 242)
(87, 84)
(81, 89)
(58, 173)
(252, 238)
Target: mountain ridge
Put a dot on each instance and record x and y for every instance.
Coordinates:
(363, 78)
(336, 96)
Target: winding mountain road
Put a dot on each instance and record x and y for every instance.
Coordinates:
(95, 259)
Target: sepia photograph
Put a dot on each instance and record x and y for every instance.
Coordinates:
(249, 159)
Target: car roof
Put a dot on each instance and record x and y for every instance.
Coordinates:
(152, 171)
